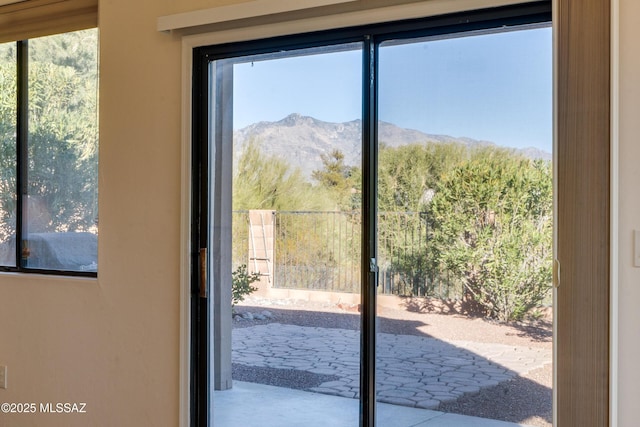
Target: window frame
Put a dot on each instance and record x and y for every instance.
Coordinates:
(22, 167)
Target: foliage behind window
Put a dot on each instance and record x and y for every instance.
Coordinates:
(61, 170)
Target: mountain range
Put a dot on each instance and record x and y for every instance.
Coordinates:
(302, 140)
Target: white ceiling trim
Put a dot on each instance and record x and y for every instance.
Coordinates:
(250, 9)
(419, 9)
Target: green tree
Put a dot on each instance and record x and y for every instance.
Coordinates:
(63, 135)
(342, 180)
(269, 182)
(408, 174)
(491, 225)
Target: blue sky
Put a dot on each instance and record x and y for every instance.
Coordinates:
(495, 87)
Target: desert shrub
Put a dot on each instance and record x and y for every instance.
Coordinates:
(241, 284)
(491, 225)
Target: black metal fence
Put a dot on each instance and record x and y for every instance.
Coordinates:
(321, 251)
(406, 266)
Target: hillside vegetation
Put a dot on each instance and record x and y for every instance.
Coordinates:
(486, 212)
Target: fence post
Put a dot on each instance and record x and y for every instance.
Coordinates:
(262, 247)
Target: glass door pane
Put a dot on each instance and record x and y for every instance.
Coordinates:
(464, 226)
(286, 158)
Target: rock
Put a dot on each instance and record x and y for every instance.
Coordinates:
(247, 316)
(267, 314)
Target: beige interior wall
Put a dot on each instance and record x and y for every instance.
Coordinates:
(114, 342)
(629, 177)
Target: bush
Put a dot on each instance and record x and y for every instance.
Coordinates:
(491, 226)
(241, 284)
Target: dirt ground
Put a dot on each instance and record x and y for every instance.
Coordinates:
(526, 399)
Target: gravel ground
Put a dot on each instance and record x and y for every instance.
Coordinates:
(525, 399)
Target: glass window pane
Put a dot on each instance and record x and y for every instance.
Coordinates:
(8, 107)
(61, 208)
(464, 225)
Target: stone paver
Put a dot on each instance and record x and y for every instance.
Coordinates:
(411, 370)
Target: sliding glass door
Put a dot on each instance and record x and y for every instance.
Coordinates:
(363, 200)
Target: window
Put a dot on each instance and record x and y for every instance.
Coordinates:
(49, 154)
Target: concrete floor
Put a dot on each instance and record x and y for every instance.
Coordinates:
(257, 405)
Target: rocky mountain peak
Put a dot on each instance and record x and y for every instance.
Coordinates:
(302, 140)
